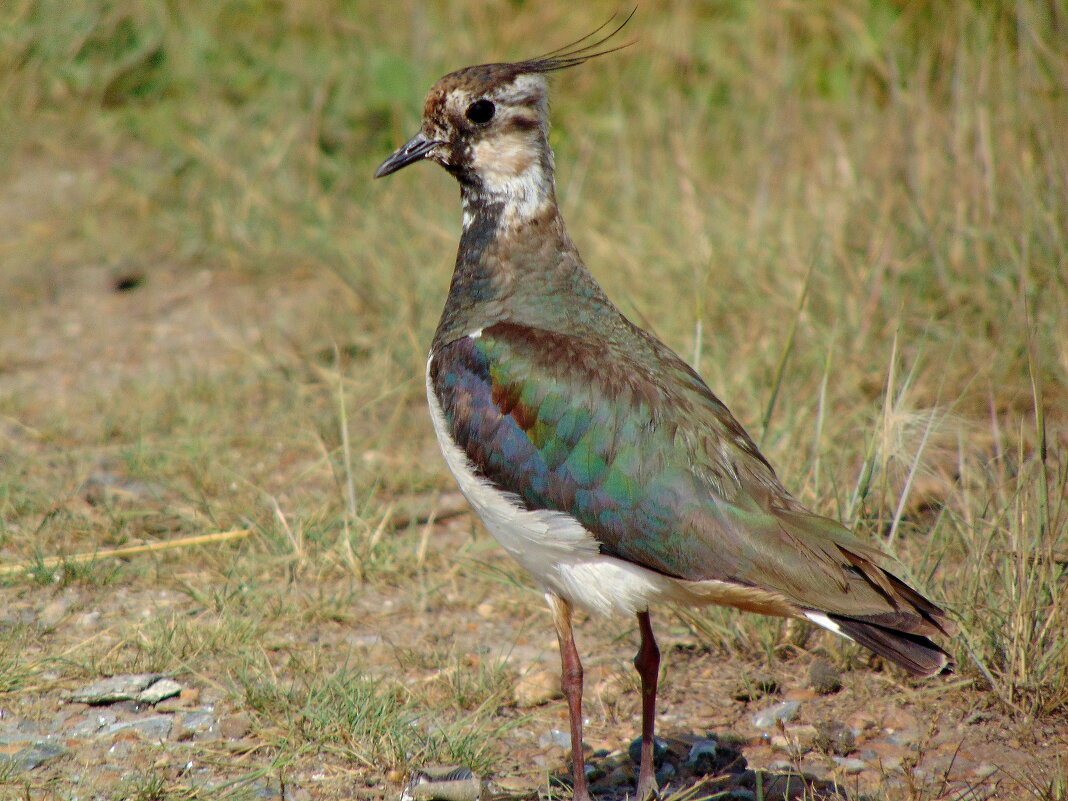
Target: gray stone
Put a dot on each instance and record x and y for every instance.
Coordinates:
(703, 757)
(834, 737)
(665, 773)
(194, 722)
(824, 677)
(20, 730)
(158, 690)
(154, 727)
(93, 724)
(660, 749)
(117, 688)
(737, 794)
(770, 717)
(35, 755)
(849, 764)
(444, 783)
(554, 737)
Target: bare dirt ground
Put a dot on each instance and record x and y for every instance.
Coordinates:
(77, 337)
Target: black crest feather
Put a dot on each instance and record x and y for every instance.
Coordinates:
(579, 51)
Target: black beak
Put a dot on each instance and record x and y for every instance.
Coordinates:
(414, 150)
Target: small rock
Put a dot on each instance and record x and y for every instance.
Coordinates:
(114, 689)
(537, 687)
(555, 737)
(795, 740)
(737, 794)
(35, 755)
(189, 725)
(899, 720)
(905, 737)
(92, 725)
(153, 727)
(158, 690)
(862, 722)
(621, 776)
(53, 612)
(849, 764)
(660, 749)
(755, 688)
(234, 727)
(703, 757)
(884, 753)
(665, 773)
(105, 488)
(824, 677)
(770, 717)
(444, 784)
(834, 737)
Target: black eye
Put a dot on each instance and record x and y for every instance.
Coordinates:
(480, 112)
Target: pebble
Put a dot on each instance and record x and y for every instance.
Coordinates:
(898, 719)
(849, 764)
(154, 727)
(157, 691)
(769, 718)
(834, 737)
(660, 749)
(906, 737)
(824, 677)
(703, 757)
(189, 725)
(444, 784)
(116, 688)
(35, 755)
(795, 740)
(555, 737)
(93, 724)
(537, 687)
(53, 613)
(665, 773)
(234, 727)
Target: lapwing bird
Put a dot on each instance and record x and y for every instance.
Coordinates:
(595, 455)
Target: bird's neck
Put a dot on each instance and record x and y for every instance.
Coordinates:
(516, 261)
(511, 197)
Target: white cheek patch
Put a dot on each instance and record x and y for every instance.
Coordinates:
(511, 171)
(500, 159)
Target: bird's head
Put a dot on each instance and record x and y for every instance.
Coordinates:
(484, 122)
(488, 125)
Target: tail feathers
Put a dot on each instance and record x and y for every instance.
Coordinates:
(914, 652)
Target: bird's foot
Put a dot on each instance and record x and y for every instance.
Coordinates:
(647, 789)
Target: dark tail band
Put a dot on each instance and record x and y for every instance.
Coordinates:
(914, 652)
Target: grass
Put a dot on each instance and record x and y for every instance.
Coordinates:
(853, 219)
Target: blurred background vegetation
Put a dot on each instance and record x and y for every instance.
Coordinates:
(852, 217)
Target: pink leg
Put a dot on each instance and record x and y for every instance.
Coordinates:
(647, 661)
(571, 681)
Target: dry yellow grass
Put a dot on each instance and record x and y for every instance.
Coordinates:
(851, 217)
